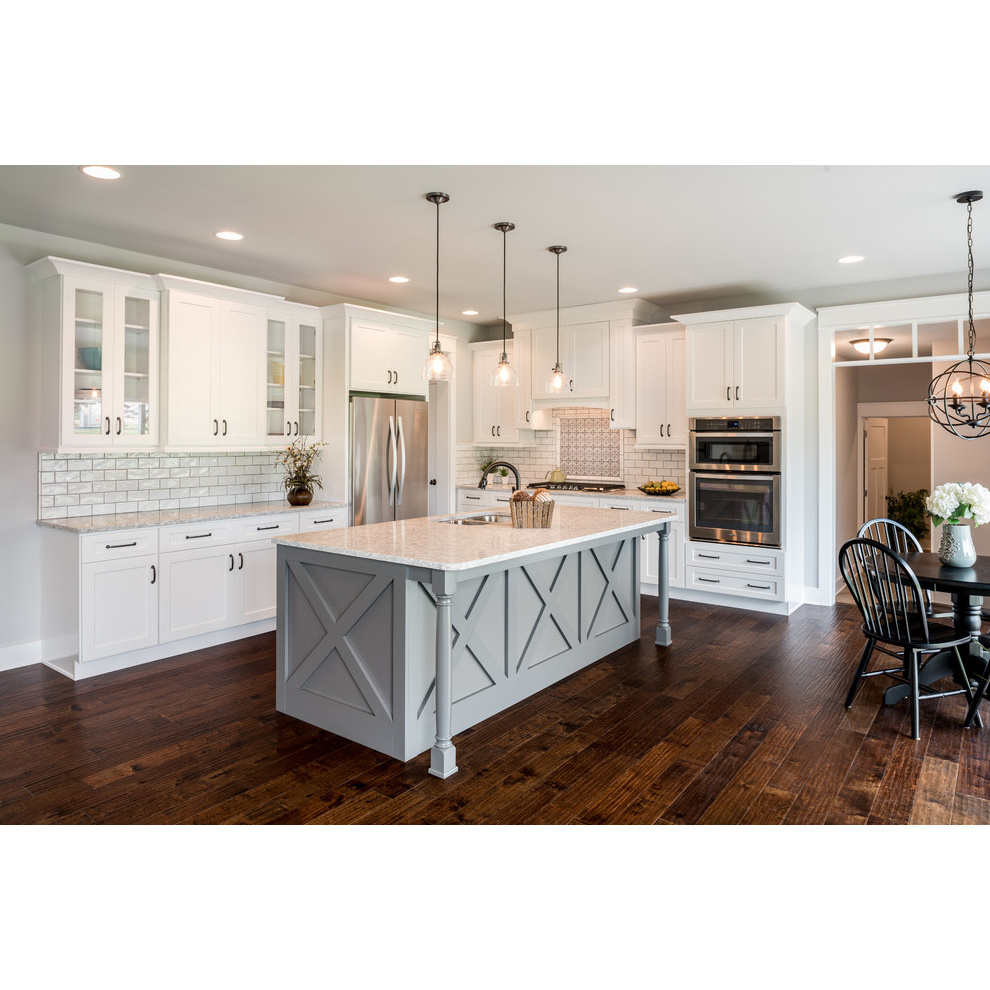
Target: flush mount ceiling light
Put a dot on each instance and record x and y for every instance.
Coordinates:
(959, 398)
(437, 366)
(229, 235)
(865, 346)
(555, 380)
(850, 259)
(99, 171)
(503, 374)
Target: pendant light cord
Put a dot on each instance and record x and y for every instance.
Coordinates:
(969, 244)
(438, 272)
(558, 306)
(504, 323)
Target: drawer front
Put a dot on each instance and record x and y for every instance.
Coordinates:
(266, 527)
(466, 501)
(326, 519)
(206, 534)
(751, 560)
(703, 579)
(123, 543)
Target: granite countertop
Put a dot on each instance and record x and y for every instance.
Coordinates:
(617, 493)
(172, 517)
(431, 543)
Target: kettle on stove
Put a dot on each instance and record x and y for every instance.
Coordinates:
(556, 475)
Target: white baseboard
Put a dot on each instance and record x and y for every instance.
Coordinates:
(20, 655)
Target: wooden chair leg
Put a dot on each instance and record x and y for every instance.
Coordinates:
(858, 676)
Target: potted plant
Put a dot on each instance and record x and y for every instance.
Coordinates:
(297, 461)
(908, 508)
(503, 473)
(486, 457)
(949, 505)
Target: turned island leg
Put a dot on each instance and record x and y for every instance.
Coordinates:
(443, 755)
(663, 589)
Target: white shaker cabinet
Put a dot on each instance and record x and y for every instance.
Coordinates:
(387, 358)
(528, 416)
(99, 329)
(736, 363)
(215, 371)
(495, 412)
(661, 413)
(584, 356)
(118, 593)
(623, 384)
(293, 372)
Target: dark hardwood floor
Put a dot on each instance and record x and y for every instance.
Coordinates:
(740, 722)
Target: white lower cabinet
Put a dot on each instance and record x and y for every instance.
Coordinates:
(126, 597)
(118, 593)
(733, 569)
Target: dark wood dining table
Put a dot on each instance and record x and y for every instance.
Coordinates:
(968, 587)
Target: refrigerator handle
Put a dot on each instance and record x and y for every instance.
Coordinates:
(402, 470)
(393, 458)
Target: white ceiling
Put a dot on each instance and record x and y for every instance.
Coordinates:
(676, 233)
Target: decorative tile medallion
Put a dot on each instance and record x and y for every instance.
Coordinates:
(589, 448)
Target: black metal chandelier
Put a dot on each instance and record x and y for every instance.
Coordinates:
(959, 398)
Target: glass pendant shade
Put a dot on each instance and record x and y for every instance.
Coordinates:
(503, 374)
(556, 379)
(437, 367)
(959, 398)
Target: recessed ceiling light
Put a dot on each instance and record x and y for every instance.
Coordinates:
(99, 171)
(469, 312)
(850, 259)
(229, 235)
(398, 278)
(629, 288)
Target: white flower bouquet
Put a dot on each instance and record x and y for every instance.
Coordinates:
(955, 501)
(297, 460)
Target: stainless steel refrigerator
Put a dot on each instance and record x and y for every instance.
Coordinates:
(388, 459)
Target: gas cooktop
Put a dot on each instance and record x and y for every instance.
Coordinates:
(579, 486)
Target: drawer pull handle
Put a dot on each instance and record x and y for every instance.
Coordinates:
(766, 562)
(198, 536)
(318, 522)
(619, 508)
(260, 528)
(120, 546)
(710, 556)
(762, 587)
(710, 580)
(473, 498)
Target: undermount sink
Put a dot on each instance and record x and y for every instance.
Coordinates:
(479, 519)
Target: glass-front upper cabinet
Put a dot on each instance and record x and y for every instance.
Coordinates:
(293, 381)
(100, 347)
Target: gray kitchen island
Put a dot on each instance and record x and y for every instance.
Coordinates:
(398, 635)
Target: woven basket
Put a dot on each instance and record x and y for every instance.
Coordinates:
(531, 511)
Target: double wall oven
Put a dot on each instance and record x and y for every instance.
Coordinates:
(734, 478)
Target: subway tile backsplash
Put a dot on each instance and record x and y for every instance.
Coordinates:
(72, 485)
(535, 461)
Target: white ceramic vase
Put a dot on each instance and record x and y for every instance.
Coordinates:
(956, 548)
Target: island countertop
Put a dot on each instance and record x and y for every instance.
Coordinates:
(431, 543)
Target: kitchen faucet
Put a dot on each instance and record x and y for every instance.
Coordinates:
(484, 477)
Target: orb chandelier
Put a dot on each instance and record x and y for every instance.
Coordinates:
(959, 398)
(437, 366)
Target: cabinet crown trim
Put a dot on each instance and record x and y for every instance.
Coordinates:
(49, 267)
(229, 292)
(792, 310)
(405, 320)
(623, 309)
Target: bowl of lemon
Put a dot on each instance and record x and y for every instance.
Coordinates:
(659, 488)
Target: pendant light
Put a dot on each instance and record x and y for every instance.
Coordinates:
(959, 398)
(556, 379)
(437, 366)
(503, 374)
